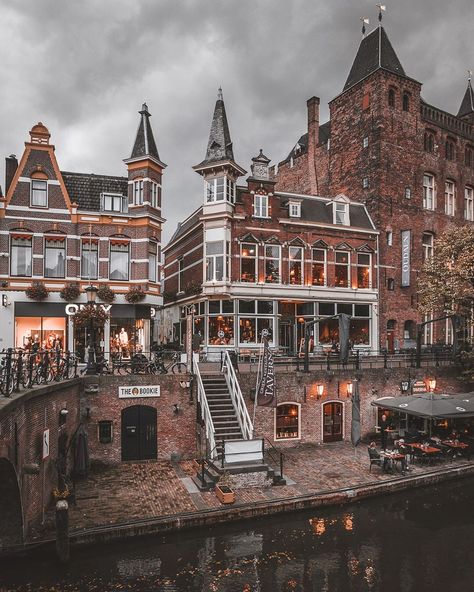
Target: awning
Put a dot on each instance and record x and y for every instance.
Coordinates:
(430, 405)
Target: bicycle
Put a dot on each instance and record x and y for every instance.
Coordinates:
(175, 364)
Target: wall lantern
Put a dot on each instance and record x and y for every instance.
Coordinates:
(431, 385)
(349, 389)
(319, 391)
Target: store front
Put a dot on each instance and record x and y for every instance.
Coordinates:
(42, 325)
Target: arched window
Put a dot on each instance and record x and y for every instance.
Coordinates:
(469, 156)
(429, 141)
(406, 101)
(391, 97)
(287, 421)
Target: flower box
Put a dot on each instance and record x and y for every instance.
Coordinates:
(225, 494)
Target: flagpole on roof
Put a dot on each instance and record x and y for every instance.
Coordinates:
(365, 21)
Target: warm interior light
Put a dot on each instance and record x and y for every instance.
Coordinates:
(349, 389)
(319, 390)
(432, 384)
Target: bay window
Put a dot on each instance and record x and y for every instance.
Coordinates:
(319, 267)
(215, 261)
(89, 259)
(55, 257)
(272, 264)
(39, 194)
(221, 322)
(248, 262)
(363, 270)
(342, 269)
(296, 265)
(254, 317)
(21, 256)
(119, 261)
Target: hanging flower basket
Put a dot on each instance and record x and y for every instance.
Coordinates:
(37, 291)
(90, 314)
(106, 294)
(70, 292)
(134, 295)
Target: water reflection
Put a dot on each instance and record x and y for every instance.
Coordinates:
(414, 541)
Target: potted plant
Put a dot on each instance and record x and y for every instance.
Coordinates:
(224, 492)
(135, 294)
(37, 291)
(106, 294)
(90, 315)
(70, 292)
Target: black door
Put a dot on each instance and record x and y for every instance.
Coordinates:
(138, 433)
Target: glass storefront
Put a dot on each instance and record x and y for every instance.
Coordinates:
(40, 332)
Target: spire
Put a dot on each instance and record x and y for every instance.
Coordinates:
(145, 142)
(467, 105)
(375, 51)
(219, 146)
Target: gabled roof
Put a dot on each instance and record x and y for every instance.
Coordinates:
(219, 146)
(85, 189)
(467, 105)
(375, 52)
(183, 227)
(301, 146)
(145, 144)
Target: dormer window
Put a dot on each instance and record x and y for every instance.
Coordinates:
(341, 213)
(295, 210)
(260, 206)
(39, 193)
(113, 202)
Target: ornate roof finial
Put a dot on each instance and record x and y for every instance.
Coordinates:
(469, 75)
(220, 96)
(365, 21)
(382, 8)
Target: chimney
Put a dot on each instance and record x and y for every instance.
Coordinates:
(313, 141)
(11, 164)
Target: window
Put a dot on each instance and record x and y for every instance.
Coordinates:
(365, 182)
(363, 270)
(248, 262)
(406, 101)
(296, 265)
(105, 432)
(449, 149)
(153, 261)
(407, 192)
(391, 97)
(89, 259)
(230, 190)
(295, 210)
(54, 258)
(427, 242)
(272, 264)
(119, 261)
(44, 332)
(429, 142)
(287, 421)
(254, 317)
(428, 192)
(389, 237)
(427, 336)
(113, 202)
(215, 261)
(155, 195)
(20, 256)
(221, 322)
(318, 267)
(341, 213)
(260, 206)
(359, 327)
(39, 194)
(469, 156)
(390, 284)
(138, 192)
(449, 198)
(342, 269)
(365, 142)
(214, 189)
(468, 203)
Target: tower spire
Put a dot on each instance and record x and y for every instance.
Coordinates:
(467, 105)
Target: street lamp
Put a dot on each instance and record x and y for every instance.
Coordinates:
(91, 293)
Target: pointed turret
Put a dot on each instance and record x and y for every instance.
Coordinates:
(466, 110)
(145, 145)
(375, 52)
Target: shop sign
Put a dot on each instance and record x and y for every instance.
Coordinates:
(419, 386)
(134, 392)
(406, 240)
(71, 309)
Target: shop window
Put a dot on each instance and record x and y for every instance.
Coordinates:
(287, 421)
(221, 322)
(113, 202)
(296, 265)
(39, 194)
(21, 256)
(260, 206)
(272, 264)
(428, 192)
(469, 203)
(363, 270)
(138, 192)
(215, 261)
(89, 259)
(54, 258)
(248, 262)
(342, 269)
(40, 332)
(318, 267)
(119, 261)
(127, 336)
(359, 324)
(254, 317)
(153, 261)
(450, 198)
(105, 429)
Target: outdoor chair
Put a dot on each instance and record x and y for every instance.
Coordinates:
(375, 459)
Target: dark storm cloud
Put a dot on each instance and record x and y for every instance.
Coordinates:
(84, 68)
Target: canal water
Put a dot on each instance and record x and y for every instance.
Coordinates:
(421, 540)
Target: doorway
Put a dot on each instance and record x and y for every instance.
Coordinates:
(139, 433)
(332, 422)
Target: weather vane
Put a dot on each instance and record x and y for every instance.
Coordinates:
(382, 8)
(365, 21)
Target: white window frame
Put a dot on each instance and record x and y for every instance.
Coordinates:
(429, 192)
(389, 235)
(127, 279)
(51, 239)
(154, 192)
(450, 198)
(30, 238)
(428, 247)
(255, 258)
(88, 244)
(427, 335)
(469, 203)
(365, 142)
(294, 209)
(325, 264)
(44, 191)
(365, 183)
(211, 260)
(348, 266)
(110, 201)
(215, 189)
(341, 213)
(299, 260)
(260, 205)
(266, 258)
(295, 404)
(138, 192)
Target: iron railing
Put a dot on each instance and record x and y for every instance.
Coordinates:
(205, 413)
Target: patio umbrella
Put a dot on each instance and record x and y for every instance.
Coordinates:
(355, 426)
(431, 405)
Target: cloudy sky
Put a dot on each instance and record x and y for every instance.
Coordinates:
(85, 67)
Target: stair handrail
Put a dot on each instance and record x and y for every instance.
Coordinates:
(268, 449)
(238, 401)
(205, 412)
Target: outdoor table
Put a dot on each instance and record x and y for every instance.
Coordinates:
(454, 444)
(392, 459)
(430, 451)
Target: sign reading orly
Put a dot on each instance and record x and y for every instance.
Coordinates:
(71, 309)
(406, 240)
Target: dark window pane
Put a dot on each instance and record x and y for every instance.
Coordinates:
(227, 306)
(305, 309)
(345, 308)
(326, 308)
(214, 306)
(246, 306)
(265, 307)
(362, 310)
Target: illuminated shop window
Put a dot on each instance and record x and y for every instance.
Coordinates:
(287, 421)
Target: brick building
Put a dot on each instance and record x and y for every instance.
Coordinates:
(61, 228)
(409, 162)
(252, 258)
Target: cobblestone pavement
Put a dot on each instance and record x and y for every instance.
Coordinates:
(135, 491)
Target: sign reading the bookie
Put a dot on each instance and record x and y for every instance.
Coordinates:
(135, 392)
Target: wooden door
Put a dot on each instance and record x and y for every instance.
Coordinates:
(332, 422)
(139, 433)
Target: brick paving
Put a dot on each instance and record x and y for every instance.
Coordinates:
(137, 491)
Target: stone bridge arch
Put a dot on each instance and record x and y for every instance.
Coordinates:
(11, 515)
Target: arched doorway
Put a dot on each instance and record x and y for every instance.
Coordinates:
(11, 518)
(333, 418)
(391, 326)
(139, 433)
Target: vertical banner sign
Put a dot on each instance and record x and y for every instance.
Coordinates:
(266, 388)
(45, 444)
(189, 341)
(406, 245)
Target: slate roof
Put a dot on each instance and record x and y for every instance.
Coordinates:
(183, 227)
(219, 146)
(467, 105)
(375, 51)
(145, 144)
(85, 189)
(324, 135)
